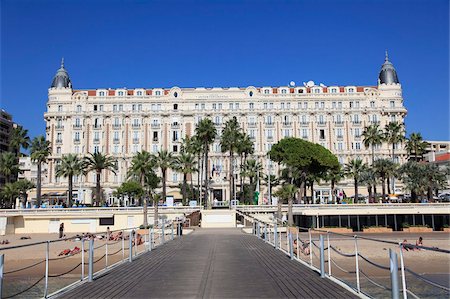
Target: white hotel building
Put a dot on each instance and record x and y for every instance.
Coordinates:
(121, 122)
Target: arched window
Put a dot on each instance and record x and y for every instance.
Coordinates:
(283, 91)
(250, 93)
(175, 94)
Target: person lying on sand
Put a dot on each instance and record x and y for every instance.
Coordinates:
(3, 242)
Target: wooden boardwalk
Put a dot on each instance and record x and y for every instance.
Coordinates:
(211, 263)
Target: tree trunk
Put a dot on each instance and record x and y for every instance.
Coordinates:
(164, 173)
(388, 185)
(312, 191)
(97, 188)
(413, 196)
(155, 212)
(206, 197)
(369, 190)
(383, 187)
(429, 193)
(333, 193)
(356, 191)
(279, 203)
(241, 187)
(290, 214)
(373, 154)
(192, 186)
(69, 204)
(144, 209)
(200, 179)
(231, 176)
(38, 185)
(184, 187)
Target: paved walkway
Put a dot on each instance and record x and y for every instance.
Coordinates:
(211, 263)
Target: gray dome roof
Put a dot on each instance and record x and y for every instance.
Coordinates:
(61, 79)
(388, 75)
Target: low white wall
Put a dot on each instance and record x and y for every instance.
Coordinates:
(218, 218)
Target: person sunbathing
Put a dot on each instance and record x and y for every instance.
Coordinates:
(405, 245)
(75, 250)
(419, 243)
(64, 252)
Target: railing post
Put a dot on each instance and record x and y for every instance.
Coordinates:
(310, 248)
(162, 233)
(82, 259)
(394, 273)
(151, 238)
(123, 245)
(287, 238)
(135, 243)
(172, 231)
(358, 287)
(47, 252)
(2, 261)
(329, 253)
(149, 246)
(275, 236)
(402, 266)
(130, 247)
(106, 251)
(298, 251)
(91, 261)
(265, 232)
(322, 256)
(291, 246)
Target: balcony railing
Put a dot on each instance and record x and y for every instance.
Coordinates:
(156, 126)
(116, 140)
(252, 124)
(136, 125)
(135, 140)
(77, 126)
(96, 126)
(116, 126)
(59, 127)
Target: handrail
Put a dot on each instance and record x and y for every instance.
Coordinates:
(94, 210)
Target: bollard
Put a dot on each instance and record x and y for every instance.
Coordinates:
(394, 274)
(291, 246)
(402, 266)
(310, 248)
(322, 257)
(46, 269)
(130, 247)
(358, 287)
(2, 261)
(172, 232)
(275, 236)
(329, 254)
(82, 259)
(91, 261)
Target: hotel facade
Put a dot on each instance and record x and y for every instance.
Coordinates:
(121, 122)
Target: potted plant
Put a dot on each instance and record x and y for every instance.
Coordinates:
(377, 229)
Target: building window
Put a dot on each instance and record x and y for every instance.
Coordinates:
(322, 134)
(250, 93)
(372, 104)
(121, 93)
(392, 104)
(95, 107)
(175, 94)
(265, 105)
(251, 106)
(175, 148)
(333, 90)
(351, 90)
(266, 91)
(60, 108)
(175, 106)
(139, 93)
(300, 91)
(175, 136)
(283, 91)
(101, 93)
(78, 108)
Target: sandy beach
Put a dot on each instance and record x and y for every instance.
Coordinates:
(433, 265)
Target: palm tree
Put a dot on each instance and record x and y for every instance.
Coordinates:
(274, 181)
(70, 166)
(354, 168)
(244, 149)
(373, 136)
(287, 193)
(185, 163)
(98, 162)
(142, 164)
(8, 165)
(23, 186)
(19, 139)
(436, 178)
(334, 176)
(206, 133)
(394, 133)
(151, 183)
(9, 193)
(229, 141)
(164, 160)
(416, 146)
(382, 168)
(412, 176)
(195, 148)
(39, 152)
(368, 178)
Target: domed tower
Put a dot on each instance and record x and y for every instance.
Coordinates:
(387, 75)
(61, 79)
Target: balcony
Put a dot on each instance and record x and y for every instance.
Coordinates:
(116, 126)
(177, 125)
(339, 123)
(287, 124)
(76, 140)
(321, 123)
(116, 140)
(96, 140)
(58, 141)
(155, 126)
(251, 125)
(135, 140)
(77, 127)
(304, 123)
(59, 127)
(271, 125)
(356, 122)
(135, 126)
(340, 137)
(269, 138)
(96, 126)
(155, 139)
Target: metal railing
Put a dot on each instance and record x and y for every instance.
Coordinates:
(79, 265)
(367, 275)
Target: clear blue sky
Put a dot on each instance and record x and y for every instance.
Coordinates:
(226, 43)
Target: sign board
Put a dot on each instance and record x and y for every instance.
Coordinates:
(274, 200)
(192, 203)
(169, 201)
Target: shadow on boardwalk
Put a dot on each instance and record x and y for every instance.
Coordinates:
(211, 263)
